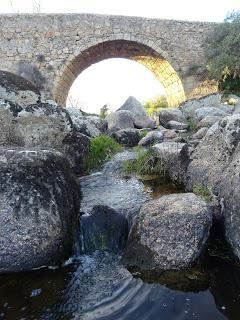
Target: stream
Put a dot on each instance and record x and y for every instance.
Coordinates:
(97, 286)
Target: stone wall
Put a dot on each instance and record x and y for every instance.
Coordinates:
(52, 49)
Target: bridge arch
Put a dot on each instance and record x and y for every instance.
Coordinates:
(145, 52)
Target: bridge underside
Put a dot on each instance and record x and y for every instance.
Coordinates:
(143, 54)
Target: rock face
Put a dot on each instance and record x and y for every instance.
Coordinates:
(169, 234)
(119, 120)
(18, 90)
(167, 115)
(42, 126)
(215, 164)
(39, 209)
(174, 158)
(140, 116)
(127, 137)
(104, 229)
(151, 138)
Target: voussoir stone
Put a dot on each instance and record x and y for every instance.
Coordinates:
(39, 208)
(140, 116)
(169, 234)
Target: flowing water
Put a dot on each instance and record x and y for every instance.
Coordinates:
(97, 286)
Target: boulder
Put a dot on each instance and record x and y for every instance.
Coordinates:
(18, 90)
(127, 137)
(174, 158)
(189, 107)
(167, 115)
(140, 116)
(176, 125)
(119, 120)
(87, 125)
(169, 134)
(39, 209)
(151, 138)
(215, 165)
(169, 234)
(104, 229)
(208, 121)
(200, 133)
(42, 126)
(207, 111)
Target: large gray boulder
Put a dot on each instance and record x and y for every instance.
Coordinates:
(167, 115)
(127, 137)
(209, 111)
(152, 137)
(189, 107)
(169, 234)
(87, 125)
(42, 126)
(18, 90)
(174, 158)
(140, 116)
(215, 165)
(119, 120)
(39, 208)
(208, 121)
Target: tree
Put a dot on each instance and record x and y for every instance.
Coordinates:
(223, 53)
(155, 104)
(104, 111)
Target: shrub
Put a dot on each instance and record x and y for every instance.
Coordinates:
(222, 49)
(192, 124)
(102, 148)
(155, 104)
(202, 191)
(145, 163)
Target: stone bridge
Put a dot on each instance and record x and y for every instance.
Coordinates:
(51, 50)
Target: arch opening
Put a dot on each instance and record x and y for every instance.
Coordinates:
(132, 50)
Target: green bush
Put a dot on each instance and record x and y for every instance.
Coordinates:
(222, 49)
(155, 104)
(102, 148)
(144, 164)
(202, 191)
(192, 125)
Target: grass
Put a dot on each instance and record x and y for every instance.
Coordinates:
(102, 148)
(192, 124)
(202, 191)
(144, 164)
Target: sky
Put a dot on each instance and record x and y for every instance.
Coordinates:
(112, 81)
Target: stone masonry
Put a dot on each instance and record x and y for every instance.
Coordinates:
(51, 50)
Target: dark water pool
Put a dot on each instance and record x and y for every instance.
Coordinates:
(98, 287)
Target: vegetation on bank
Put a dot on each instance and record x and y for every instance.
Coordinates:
(223, 53)
(192, 125)
(102, 148)
(145, 164)
(202, 191)
(155, 105)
